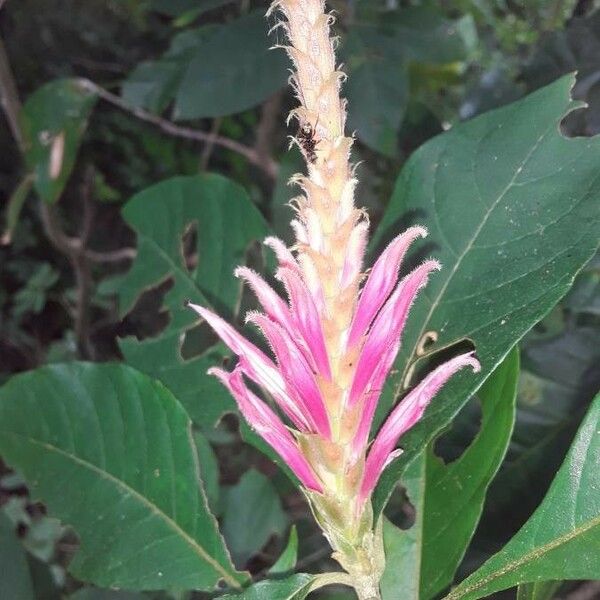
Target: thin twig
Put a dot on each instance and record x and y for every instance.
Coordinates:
(75, 251)
(111, 256)
(82, 269)
(267, 164)
(66, 244)
(210, 145)
(9, 97)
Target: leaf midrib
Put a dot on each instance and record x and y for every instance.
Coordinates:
(535, 553)
(199, 550)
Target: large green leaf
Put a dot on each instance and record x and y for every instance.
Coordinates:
(295, 587)
(15, 580)
(232, 70)
(562, 538)
(211, 71)
(512, 209)
(448, 498)
(53, 120)
(227, 222)
(377, 51)
(109, 451)
(427, 36)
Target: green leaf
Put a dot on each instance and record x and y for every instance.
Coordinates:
(252, 513)
(16, 578)
(377, 87)
(562, 538)
(448, 498)
(295, 587)
(426, 36)
(402, 566)
(151, 84)
(121, 445)
(53, 120)
(227, 222)
(454, 493)
(227, 69)
(287, 561)
(512, 210)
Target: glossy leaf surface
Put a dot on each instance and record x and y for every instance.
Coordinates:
(121, 445)
(512, 210)
(211, 71)
(295, 587)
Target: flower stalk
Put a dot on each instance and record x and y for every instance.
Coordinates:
(336, 337)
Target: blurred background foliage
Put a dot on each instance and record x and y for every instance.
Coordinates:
(111, 96)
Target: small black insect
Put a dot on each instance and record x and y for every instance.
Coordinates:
(306, 140)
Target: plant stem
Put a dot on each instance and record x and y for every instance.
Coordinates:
(265, 163)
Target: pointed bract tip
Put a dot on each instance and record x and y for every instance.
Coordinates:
(215, 371)
(419, 230)
(195, 307)
(432, 265)
(472, 360)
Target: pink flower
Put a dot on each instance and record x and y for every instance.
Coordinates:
(320, 380)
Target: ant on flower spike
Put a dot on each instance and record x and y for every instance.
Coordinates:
(307, 142)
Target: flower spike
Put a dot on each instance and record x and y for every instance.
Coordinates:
(332, 344)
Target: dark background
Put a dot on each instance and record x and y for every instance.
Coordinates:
(413, 72)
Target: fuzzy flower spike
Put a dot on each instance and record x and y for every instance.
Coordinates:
(332, 341)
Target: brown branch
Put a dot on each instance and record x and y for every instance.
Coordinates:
(210, 145)
(75, 251)
(9, 97)
(111, 256)
(66, 244)
(81, 267)
(267, 164)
